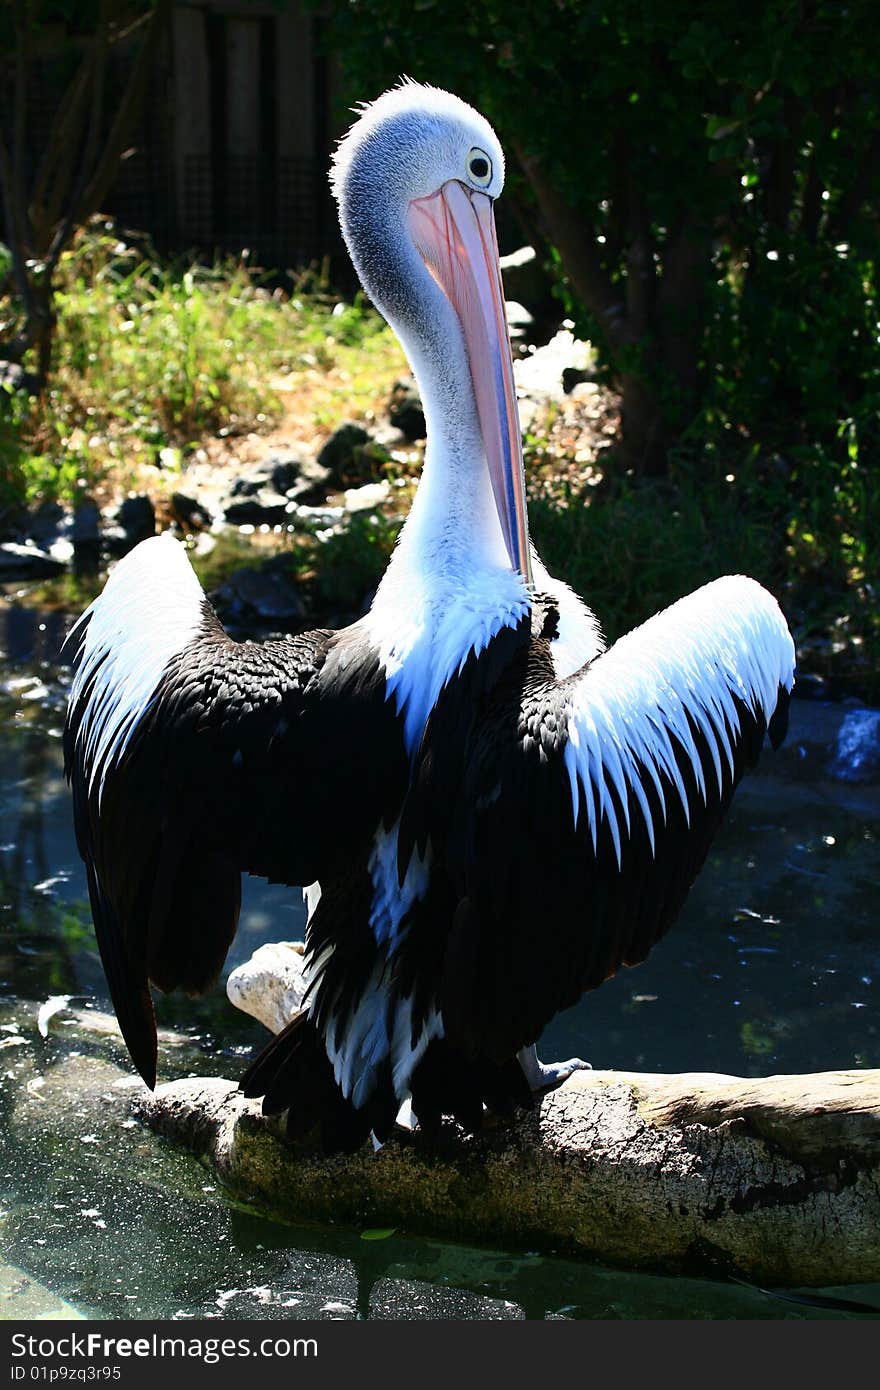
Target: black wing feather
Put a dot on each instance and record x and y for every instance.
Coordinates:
(540, 914)
(277, 759)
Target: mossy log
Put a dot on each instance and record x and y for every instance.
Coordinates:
(776, 1180)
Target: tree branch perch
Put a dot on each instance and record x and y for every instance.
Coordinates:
(776, 1180)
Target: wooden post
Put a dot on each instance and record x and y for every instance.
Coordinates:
(244, 166)
(192, 127)
(297, 153)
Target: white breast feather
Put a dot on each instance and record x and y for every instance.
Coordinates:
(425, 635)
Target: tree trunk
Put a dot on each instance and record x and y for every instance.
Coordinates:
(77, 167)
(652, 329)
(776, 1180)
(643, 438)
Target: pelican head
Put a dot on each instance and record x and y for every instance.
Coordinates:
(415, 179)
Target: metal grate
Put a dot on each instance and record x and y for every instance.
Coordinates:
(141, 196)
(270, 206)
(197, 203)
(301, 191)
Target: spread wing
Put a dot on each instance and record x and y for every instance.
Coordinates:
(577, 813)
(193, 758)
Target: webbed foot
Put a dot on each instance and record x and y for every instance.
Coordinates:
(546, 1076)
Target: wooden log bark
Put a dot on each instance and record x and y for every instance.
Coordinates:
(776, 1180)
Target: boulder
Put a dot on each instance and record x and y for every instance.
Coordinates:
(86, 537)
(48, 523)
(261, 596)
(405, 411)
(857, 750)
(125, 526)
(367, 497)
(28, 561)
(341, 454)
(578, 376)
(261, 497)
(189, 513)
(259, 508)
(304, 480)
(271, 985)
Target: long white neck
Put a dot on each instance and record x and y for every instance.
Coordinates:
(449, 586)
(453, 527)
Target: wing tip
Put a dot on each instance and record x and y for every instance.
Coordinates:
(139, 1035)
(777, 728)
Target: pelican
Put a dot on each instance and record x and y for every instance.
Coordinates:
(492, 813)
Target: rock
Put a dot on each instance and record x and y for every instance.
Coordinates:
(526, 280)
(137, 517)
(260, 508)
(577, 376)
(27, 561)
(286, 473)
(51, 528)
(48, 523)
(857, 752)
(518, 318)
(325, 518)
(275, 473)
(270, 986)
(133, 521)
(391, 439)
(14, 378)
(303, 479)
(260, 596)
(189, 514)
(341, 453)
(405, 411)
(86, 537)
(540, 376)
(362, 499)
(311, 484)
(261, 497)
(247, 486)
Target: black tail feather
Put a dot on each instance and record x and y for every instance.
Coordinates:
(293, 1073)
(446, 1082)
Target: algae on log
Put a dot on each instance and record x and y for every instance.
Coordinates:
(776, 1180)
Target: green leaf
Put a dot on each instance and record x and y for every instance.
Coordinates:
(378, 1233)
(717, 127)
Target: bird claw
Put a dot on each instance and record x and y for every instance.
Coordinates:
(546, 1076)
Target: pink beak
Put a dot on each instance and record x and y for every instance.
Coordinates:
(454, 232)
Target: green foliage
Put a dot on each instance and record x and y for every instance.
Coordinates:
(169, 353)
(349, 564)
(736, 148)
(648, 545)
(716, 176)
(805, 529)
(152, 357)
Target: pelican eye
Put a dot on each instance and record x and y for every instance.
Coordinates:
(479, 167)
